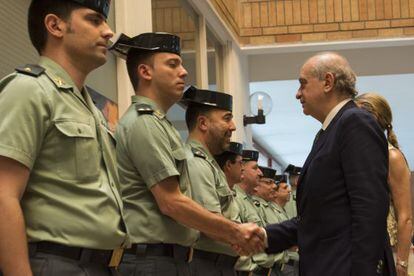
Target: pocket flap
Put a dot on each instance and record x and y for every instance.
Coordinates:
(75, 129)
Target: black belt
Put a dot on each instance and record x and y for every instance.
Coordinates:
(265, 271)
(291, 262)
(175, 251)
(110, 258)
(218, 259)
(244, 273)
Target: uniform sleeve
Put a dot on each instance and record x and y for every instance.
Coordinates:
(150, 150)
(203, 184)
(281, 236)
(365, 164)
(25, 118)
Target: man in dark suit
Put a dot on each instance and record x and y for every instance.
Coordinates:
(342, 195)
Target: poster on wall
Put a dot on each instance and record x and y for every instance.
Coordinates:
(108, 107)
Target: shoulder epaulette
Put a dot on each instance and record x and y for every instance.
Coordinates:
(144, 109)
(198, 153)
(30, 69)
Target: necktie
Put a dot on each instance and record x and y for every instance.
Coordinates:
(317, 136)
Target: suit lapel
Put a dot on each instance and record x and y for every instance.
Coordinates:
(303, 187)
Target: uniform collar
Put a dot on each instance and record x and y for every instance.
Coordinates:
(333, 113)
(262, 201)
(241, 192)
(144, 100)
(197, 145)
(278, 207)
(56, 73)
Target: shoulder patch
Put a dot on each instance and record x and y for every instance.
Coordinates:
(144, 109)
(30, 69)
(198, 153)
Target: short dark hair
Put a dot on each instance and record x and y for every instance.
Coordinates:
(224, 157)
(36, 15)
(193, 111)
(133, 60)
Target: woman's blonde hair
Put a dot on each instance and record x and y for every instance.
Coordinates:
(379, 107)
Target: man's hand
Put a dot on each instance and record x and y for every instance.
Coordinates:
(250, 240)
(294, 249)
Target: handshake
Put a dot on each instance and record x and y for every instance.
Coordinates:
(249, 240)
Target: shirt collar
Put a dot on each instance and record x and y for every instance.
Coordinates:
(197, 145)
(56, 73)
(333, 113)
(150, 102)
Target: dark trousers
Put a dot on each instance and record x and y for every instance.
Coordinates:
(43, 264)
(50, 265)
(204, 267)
(133, 265)
(291, 269)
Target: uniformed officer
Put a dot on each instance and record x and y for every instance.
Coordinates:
(231, 162)
(153, 164)
(251, 211)
(58, 177)
(264, 194)
(210, 122)
(251, 176)
(294, 173)
(289, 209)
(281, 198)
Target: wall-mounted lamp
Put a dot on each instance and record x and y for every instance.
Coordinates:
(260, 106)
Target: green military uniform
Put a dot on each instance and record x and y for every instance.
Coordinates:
(269, 217)
(290, 206)
(54, 129)
(252, 212)
(210, 189)
(248, 213)
(292, 258)
(149, 150)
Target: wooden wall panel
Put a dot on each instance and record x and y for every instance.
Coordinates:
(313, 11)
(379, 9)
(280, 12)
(396, 9)
(405, 9)
(296, 12)
(338, 10)
(304, 11)
(264, 14)
(288, 12)
(363, 12)
(321, 11)
(330, 12)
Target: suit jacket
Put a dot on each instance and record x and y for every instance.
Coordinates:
(342, 202)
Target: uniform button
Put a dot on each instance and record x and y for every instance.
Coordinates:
(79, 130)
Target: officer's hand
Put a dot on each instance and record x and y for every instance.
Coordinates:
(250, 240)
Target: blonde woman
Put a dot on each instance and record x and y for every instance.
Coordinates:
(399, 218)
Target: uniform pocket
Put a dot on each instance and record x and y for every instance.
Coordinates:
(80, 154)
